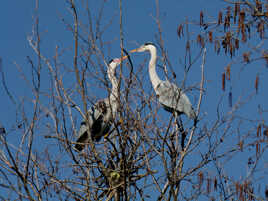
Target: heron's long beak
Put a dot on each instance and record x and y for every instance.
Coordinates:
(135, 50)
(123, 58)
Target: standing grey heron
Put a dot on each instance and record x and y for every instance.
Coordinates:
(101, 114)
(171, 97)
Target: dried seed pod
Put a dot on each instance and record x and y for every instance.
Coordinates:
(231, 50)
(260, 29)
(180, 31)
(200, 40)
(223, 81)
(228, 72)
(217, 47)
(244, 37)
(201, 22)
(200, 178)
(242, 16)
(226, 22)
(237, 43)
(230, 98)
(208, 185)
(236, 11)
(246, 57)
(215, 184)
(265, 57)
(187, 46)
(237, 187)
(220, 18)
(257, 83)
(259, 130)
(210, 36)
(257, 149)
(241, 145)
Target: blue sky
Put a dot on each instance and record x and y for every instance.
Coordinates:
(139, 26)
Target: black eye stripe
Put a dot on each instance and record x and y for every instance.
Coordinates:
(149, 43)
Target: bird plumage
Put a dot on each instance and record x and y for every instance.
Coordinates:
(173, 98)
(101, 114)
(170, 96)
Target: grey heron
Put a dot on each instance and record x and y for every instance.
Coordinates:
(101, 114)
(171, 97)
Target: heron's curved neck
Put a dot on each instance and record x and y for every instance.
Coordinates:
(114, 81)
(152, 71)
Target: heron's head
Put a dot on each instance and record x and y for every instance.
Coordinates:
(115, 62)
(145, 47)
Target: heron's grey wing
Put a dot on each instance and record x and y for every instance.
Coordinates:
(173, 98)
(83, 136)
(84, 131)
(101, 120)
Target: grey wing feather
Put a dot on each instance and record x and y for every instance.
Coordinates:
(83, 136)
(98, 124)
(173, 98)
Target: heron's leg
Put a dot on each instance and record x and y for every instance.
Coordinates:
(182, 131)
(175, 132)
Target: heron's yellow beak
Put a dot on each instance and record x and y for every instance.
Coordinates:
(135, 50)
(123, 58)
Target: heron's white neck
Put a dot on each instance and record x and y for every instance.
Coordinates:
(152, 71)
(112, 78)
